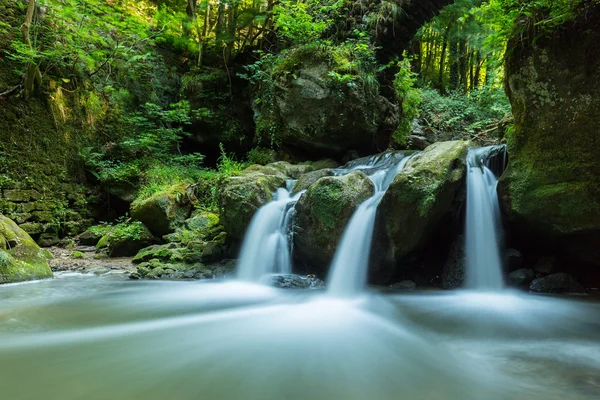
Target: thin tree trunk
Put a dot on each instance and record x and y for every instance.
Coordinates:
(477, 76)
(463, 66)
(33, 75)
(471, 69)
(453, 65)
(231, 30)
(205, 29)
(443, 57)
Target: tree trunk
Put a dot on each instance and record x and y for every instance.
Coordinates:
(33, 75)
(231, 30)
(220, 28)
(477, 71)
(205, 29)
(471, 69)
(415, 49)
(453, 65)
(463, 65)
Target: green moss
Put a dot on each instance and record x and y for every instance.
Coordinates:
(77, 254)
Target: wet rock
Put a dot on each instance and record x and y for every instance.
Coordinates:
(404, 285)
(453, 273)
(91, 237)
(514, 259)
(290, 281)
(521, 277)
(163, 212)
(48, 239)
(322, 214)
(242, 195)
(21, 259)
(547, 265)
(415, 142)
(556, 283)
(309, 178)
(417, 201)
(77, 254)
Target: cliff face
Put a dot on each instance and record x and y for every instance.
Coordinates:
(551, 189)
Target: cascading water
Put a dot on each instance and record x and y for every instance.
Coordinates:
(483, 225)
(266, 248)
(350, 263)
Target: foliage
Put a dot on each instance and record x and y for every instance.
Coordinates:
(409, 96)
(124, 229)
(457, 113)
(303, 22)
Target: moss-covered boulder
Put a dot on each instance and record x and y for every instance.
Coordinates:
(322, 214)
(307, 179)
(242, 195)
(125, 239)
(315, 104)
(416, 202)
(551, 189)
(163, 212)
(20, 257)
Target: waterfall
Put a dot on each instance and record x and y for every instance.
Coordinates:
(484, 225)
(266, 247)
(348, 272)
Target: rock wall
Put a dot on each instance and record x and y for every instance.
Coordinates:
(551, 189)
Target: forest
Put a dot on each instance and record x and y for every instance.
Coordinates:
(300, 199)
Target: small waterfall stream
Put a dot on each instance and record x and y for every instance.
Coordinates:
(348, 273)
(484, 225)
(266, 248)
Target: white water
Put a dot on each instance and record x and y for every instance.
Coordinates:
(483, 227)
(266, 248)
(348, 272)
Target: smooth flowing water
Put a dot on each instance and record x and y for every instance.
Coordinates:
(483, 225)
(267, 248)
(96, 338)
(351, 260)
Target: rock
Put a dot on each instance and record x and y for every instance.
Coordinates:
(126, 241)
(157, 269)
(91, 237)
(21, 196)
(162, 252)
(33, 228)
(453, 273)
(48, 239)
(290, 281)
(309, 178)
(291, 170)
(242, 195)
(415, 142)
(42, 216)
(163, 212)
(416, 202)
(551, 189)
(514, 259)
(323, 164)
(100, 256)
(404, 285)
(547, 265)
(556, 283)
(312, 113)
(77, 254)
(21, 259)
(203, 221)
(521, 277)
(322, 214)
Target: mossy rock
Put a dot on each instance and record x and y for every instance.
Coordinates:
(125, 240)
(307, 179)
(21, 259)
(77, 254)
(322, 214)
(551, 188)
(416, 202)
(242, 195)
(163, 212)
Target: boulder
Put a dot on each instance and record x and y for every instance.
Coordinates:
(521, 277)
(242, 195)
(551, 189)
(415, 204)
(556, 283)
(307, 179)
(404, 285)
(453, 273)
(48, 239)
(21, 259)
(290, 281)
(310, 113)
(163, 212)
(126, 240)
(514, 259)
(322, 214)
(91, 237)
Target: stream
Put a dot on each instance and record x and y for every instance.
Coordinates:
(106, 337)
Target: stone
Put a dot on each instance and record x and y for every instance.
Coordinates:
(547, 265)
(453, 272)
(551, 188)
(42, 216)
(91, 237)
(521, 277)
(20, 218)
(33, 228)
(21, 259)
(322, 214)
(20, 195)
(290, 281)
(242, 195)
(404, 285)
(77, 254)
(556, 283)
(309, 178)
(416, 203)
(163, 212)
(48, 239)
(415, 142)
(313, 114)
